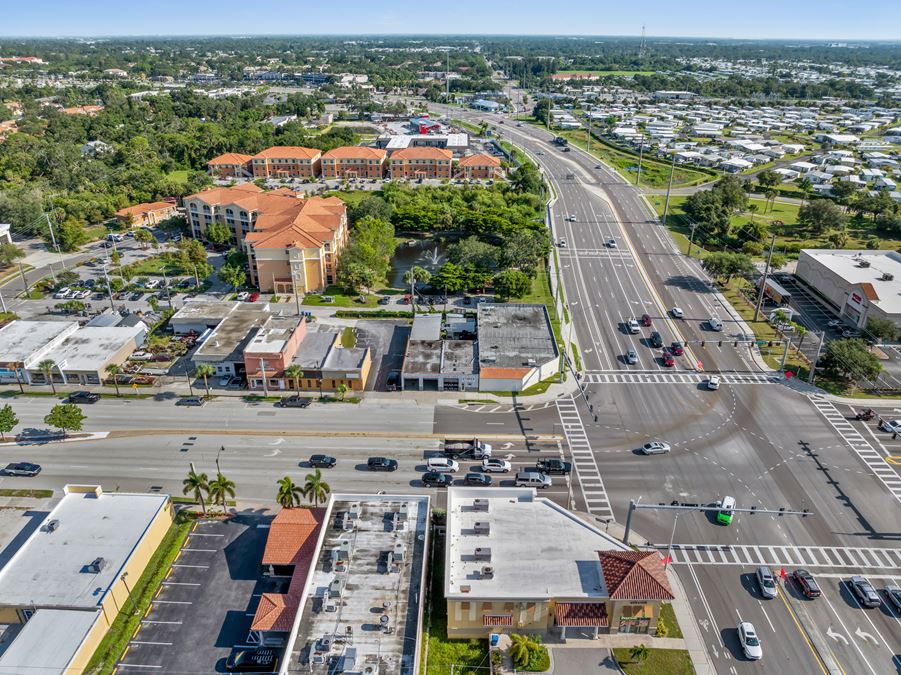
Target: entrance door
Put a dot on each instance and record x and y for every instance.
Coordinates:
(634, 625)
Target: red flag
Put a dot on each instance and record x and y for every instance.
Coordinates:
(782, 573)
(667, 560)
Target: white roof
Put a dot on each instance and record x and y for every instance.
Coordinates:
(90, 348)
(24, 341)
(538, 548)
(51, 567)
(48, 642)
(845, 264)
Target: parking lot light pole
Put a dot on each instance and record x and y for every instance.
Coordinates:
(669, 187)
(766, 274)
(109, 290)
(813, 364)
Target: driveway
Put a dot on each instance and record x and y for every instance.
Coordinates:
(567, 660)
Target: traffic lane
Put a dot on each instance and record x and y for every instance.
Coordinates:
(508, 419)
(723, 597)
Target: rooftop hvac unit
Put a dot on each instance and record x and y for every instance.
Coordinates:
(487, 572)
(480, 504)
(483, 553)
(863, 263)
(532, 362)
(331, 607)
(97, 565)
(399, 551)
(371, 669)
(318, 659)
(404, 510)
(52, 526)
(888, 276)
(344, 546)
(482, 527)
(355, 510)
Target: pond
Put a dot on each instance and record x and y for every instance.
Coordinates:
(426, 253)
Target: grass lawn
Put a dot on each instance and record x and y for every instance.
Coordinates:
(654, 173)
(96, 232)
(541, 294)
(340, 298)
(125, 624)
(606, 73)
(469, 126)
(352, 197)
(34, 494)
(669, 618)
(669, 661)
(348, 338)
(180, 176)
(155, 266)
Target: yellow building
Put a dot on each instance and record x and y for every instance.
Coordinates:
(73, 575)
(516, 563)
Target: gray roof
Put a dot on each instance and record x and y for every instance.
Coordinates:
(345, 359)
(90, 348)
(314, 349)
(426, 327)
(229, 338)
(21, 341)
(423, 357)
(510, 335)
(204, 310)
(48, 642)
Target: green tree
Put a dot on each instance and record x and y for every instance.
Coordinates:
(884, 330)
(639, 653)
(450, 277)
(843, 191)
(356, 276)
(525, 178)
(218, 233)
(837, 238)
(289, 493)
(512, 284)
(294, 372)
(315, 489)
(417, 275)
(144, 237)
(851, 360)
(205, 370)
(473, 251)
(69, 236)
(372, 245)
(8, 420)
(195, 484)
(805, 185)
(233, 275)
(727, 265)
(821, 215)
(221, 488)
(113, 371)
(768, 179)
(10, 253)
(46, 367)
(521, 648)
(341, 391)
(370, 206)
(65, 417)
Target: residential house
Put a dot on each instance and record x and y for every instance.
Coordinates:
(95, 148)
(422, 162)
(6, 236)
(479, 166)
(354, 162)
(147, 214)
(230, 165)
(283, 161)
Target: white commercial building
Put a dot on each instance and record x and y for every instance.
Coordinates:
(860, 284)
(24, 344)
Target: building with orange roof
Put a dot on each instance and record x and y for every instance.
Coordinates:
(354, 161)
(89, 110)
(146, 214)
(230, 165)
(479, 166)
(286, 161)
(421, 162)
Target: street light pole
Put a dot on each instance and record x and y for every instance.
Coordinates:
(691, 239)
(813, 364)
(640, 155)
(766, 273)
(669, 550)
(109, 290)
(669, 188)
(263, 373)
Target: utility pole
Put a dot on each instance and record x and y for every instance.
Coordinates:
(813, 364)
(168, 292)
(669, 188)
(2, 301)
(447, 76)
(53, 239)
(788, 343)
(188, 378)
(263, 373)
(24, 280)
(640, 154)
(766, 273)
(691, 239)
(589, 130)
(109, 290)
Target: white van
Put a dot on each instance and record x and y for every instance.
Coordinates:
(442, 465)
(715, 323)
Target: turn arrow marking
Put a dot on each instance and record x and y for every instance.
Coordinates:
(866, 636)
(836, 636)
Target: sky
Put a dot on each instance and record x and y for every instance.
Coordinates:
(761, 19)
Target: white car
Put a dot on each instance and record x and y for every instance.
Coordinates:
(750, 643)
(62, 293)
(655, 448)
(633, 326)
(571, 217)
(611, 243)
(835, 323)
(713, 382)
(81, 295)
(562, 243)
(496, 466)
(891, 426)
(715, 323)
(243, 295)
(677, 312)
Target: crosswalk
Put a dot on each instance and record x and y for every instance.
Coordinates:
(867, 453)
(850, 557)
(583, 458)
(674, 377)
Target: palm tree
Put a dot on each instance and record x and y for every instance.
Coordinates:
(521, 647)
(294, 372)
(341, 390)
(196, 484)
(114, 370)
(220, 489)
(46, 366)
(289, 493)
(639, 653)
(801, 333)
(315, 489)
(204, 370)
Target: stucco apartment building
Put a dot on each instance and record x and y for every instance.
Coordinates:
(354, 162)
(285, 161)
(423, 162)
(290, 242)
(479, 166)
(230, 165)
(147, 214)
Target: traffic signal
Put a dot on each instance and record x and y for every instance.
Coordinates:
(702, 343)
(719, 344)
(753, 510)
(735, 344)
(781, 511)
(769, 344)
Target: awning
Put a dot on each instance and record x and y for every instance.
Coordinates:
(581, 614)
(497, 619)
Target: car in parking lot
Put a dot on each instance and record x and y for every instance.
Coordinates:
(62, 293)
(242, 296)
(655, 339)
(806, 583)
(224, 380)
(191, 401)
(294, 401)
(323, 462)
(767, 582)
(252, 661)
(864, 592)
(83, 397)
(633, 326)
(655, 448)
(435, 479)
(553, 466)
(891, 426)
(381, 464)
(393, 380)
(137, 295)
(750, 643)
(893, 593)
(850, 333)
(22, 469)
(253, 297)
(493, 465)
(834, 323)
(631, 357)
(715, 323)
(532, 478)
(677, 312)
(477, 479)
(676, 348)
(385, 300)
(667, 358)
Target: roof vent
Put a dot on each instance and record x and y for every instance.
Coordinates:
(482, 527)
(483, 553)
(97, 565)
(52, 525)
(863, 263)
(888, 276)
(480, 505)
(465, 588)
(532, 362)
(488, 572)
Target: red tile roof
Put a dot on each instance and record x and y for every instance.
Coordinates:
(139, 209)
(497, 619)
(308, 224)
(292, 536)
(635, 575)
(230, 158)
(288, 152)
(581, 614)
(504, 373)
(355, 152)
(425, 152)
(229, 195)
(479, 160)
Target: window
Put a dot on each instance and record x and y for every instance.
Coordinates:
(487, 606)
(464, 606)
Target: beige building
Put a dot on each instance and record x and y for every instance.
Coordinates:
(516, 562)
(479, 166)
(421, 162)
(68, 581)
(283, 161)
(147, 215)
(354, 162)
(230, 165)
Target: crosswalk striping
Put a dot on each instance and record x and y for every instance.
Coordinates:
(674, 377)
(585, 464)
(785, 556)
(860, 445)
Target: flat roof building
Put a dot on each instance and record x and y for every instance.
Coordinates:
(24, 344)
(83, 357)
(224, 347)
(196, 316)
(516, 346)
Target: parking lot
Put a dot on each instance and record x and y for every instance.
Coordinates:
(205, 606)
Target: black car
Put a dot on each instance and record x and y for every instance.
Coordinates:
(294, 401)
(393, 380)
(22, 469)
(863, 589)
(89, 283)
(806, 583)
(137, 295)
(656, 340)
(435, 479)
(323, 461)
(479, 479)
(381, 464)
(252, 661)
(83, 397)
(557, 466)
(194, 401)
(384, 300)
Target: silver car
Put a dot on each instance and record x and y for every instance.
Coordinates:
(767, 582)
(655, 448)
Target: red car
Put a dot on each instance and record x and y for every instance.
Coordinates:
(668, 360)
(646, 320)
(253, 297)
(677, 349)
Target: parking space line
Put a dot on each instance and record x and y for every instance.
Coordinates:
(173, 623)
(172, 602)
(181, 583)
(201, 550)
(138, 665)
(200, 567)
